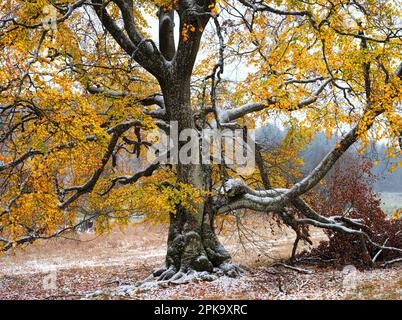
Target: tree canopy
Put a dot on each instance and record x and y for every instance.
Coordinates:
(83, 84)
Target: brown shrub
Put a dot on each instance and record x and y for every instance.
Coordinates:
(350, 188)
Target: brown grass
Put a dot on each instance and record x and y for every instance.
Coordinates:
(87, 262)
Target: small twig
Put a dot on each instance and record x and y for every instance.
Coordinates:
(303, 284)
(305, 271)
(387, 263)
(379, 251)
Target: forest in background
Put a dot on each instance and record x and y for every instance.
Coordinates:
(271, 135)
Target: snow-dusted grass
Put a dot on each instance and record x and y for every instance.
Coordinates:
(257, 242)
(101, 267)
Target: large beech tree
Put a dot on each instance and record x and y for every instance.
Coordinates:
(82, 83)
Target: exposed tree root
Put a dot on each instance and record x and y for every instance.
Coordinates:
(165, 277)
(179, 276)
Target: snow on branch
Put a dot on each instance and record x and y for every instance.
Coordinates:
(226, 116)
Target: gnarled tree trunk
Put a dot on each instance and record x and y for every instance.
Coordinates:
(192, 242)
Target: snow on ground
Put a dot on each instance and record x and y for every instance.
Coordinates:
(260, 283)
(99, 268)
(54, 263)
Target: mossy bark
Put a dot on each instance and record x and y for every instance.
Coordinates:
(192, 242)
(193, 246)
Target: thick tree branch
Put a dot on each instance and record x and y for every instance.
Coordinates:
(166, 33)
(227, 116)
(125, 180)
(264, 200)
(155, 99)
(88, 186)
(140, 49)
(191, 14)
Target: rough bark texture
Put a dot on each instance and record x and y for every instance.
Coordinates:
(192, 242)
